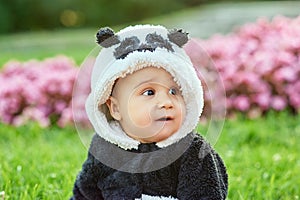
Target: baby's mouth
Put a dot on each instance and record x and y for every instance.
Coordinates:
(165, 119)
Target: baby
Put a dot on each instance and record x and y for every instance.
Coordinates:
(145, 102)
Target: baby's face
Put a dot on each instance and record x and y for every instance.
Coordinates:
(148, 104)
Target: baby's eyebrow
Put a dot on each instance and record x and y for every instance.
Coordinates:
(153, 80)
(143, 82)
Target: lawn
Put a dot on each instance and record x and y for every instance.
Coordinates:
(39, 45)
(39, 163)
(262, 157)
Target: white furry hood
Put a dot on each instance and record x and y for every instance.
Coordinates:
(129, 50)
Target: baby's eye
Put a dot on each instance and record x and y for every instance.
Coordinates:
(148, 92)
(173, 91)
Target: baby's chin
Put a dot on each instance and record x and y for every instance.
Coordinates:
(156, 138)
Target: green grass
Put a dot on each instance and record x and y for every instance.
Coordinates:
(38, 45)
(39, 163)
(262, 157)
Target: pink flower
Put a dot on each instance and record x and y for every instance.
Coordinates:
(295, 101)
(278, 103)
(259, 64)
(263, 100)
(242, 103)
(286, 73)
(36, 90)
(285, 58)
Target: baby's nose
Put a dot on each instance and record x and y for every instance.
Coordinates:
(164, 101)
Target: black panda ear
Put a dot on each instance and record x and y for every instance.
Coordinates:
(106, 37)
(178, 37)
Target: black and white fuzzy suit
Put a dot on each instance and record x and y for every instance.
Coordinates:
(183, 166)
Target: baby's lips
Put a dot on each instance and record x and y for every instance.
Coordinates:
(165, 118)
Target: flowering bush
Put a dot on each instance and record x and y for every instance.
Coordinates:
(259, 65)
(39, 91)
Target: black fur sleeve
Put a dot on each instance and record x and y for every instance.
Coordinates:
(202, 174)
(85, 187)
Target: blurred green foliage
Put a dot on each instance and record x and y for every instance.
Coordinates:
(28, 15)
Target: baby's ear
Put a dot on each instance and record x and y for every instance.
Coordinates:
(113, 106)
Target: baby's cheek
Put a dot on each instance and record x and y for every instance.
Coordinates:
(140, 116)
(143, 122)
(181, 111)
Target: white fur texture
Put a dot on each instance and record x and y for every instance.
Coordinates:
(107, 69)
(147, 197)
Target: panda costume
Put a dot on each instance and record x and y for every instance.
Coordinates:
(183, 166)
